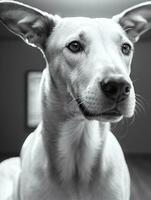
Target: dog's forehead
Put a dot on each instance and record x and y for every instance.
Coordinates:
(88, 27)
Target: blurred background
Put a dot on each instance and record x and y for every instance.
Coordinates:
(17, 59)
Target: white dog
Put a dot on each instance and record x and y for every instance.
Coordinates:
(72, 155)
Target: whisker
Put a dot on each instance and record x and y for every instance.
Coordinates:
(142, 99)
(140, 106)
(135, 80)
(136, 110)
(73, 99)
(127, 28)
(80, 102)
(140, 103)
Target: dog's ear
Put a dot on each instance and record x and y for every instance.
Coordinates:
(32, 25)
(135, 20)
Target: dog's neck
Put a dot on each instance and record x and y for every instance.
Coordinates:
(74, 144)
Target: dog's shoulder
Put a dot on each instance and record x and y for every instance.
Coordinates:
(113, 152)
(114, 165)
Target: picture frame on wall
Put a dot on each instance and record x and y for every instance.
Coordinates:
(33, 79)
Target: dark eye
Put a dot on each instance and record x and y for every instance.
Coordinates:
(126, 49)
(75, 47)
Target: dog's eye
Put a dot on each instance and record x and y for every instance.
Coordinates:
(126, 49)
(75, 46)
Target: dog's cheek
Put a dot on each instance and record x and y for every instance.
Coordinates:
(131, 104)
(128, 61)
(72, 60)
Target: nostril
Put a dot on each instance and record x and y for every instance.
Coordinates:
(127, 89)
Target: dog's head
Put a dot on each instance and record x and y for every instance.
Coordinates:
(90, 58)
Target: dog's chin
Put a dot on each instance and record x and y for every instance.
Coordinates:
(107, 118)
(112, 115)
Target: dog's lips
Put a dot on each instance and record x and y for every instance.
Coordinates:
(112, 113)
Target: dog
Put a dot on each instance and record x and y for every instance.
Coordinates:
(86, 86)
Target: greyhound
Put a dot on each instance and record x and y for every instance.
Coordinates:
(86, 86)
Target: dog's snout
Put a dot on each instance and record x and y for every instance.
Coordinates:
(117, 89)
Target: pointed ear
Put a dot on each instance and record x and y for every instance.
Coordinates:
(32, 25)
(135, 20)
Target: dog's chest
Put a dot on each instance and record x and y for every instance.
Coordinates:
(79, 146)
(96, 191)
(91, 184)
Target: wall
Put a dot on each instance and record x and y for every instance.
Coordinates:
(16, 58)
(138, 135)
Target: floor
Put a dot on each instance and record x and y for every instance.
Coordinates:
(140, 171)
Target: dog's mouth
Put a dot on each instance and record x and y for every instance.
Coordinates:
(112, 113)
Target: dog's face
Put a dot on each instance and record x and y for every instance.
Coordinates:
(92, 58)
(89, 59)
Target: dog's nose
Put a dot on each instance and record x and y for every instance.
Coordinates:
(116, 88)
